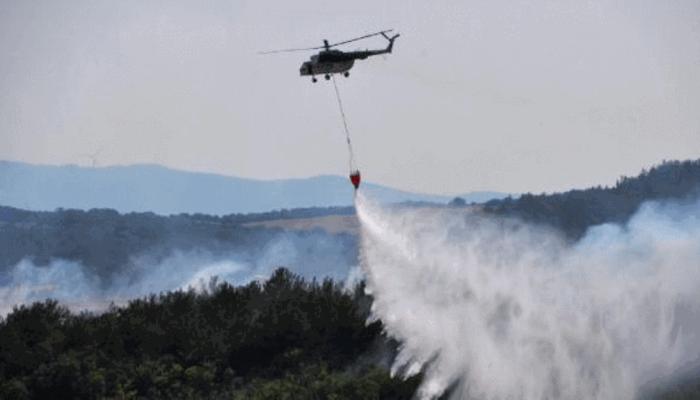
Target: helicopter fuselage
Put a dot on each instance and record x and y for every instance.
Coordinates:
(330, 61)
(335, 61)
(318, 68)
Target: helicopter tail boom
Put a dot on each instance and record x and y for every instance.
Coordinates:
(391, 41)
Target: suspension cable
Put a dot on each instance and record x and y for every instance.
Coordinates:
(351, 154)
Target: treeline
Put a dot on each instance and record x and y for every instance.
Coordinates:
(284, 338)
(105, 241)
(574, 211)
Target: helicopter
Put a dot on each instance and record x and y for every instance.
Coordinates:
(332, 61)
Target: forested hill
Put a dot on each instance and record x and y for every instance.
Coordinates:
(576, 210)
(104, 240)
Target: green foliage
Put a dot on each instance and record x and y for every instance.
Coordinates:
(284, 338)
(317, 382)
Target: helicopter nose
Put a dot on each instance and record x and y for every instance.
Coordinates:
(305, 68)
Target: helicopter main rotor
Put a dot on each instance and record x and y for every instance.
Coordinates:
(327, 46)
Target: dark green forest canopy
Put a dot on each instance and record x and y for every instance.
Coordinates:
(263, 340)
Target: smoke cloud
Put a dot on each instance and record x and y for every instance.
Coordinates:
(69, 283)
(314, 254)
(493, 308)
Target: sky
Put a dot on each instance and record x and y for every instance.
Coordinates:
(517, 96)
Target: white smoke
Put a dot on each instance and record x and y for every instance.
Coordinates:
(489, 308)
(74, 285)
(68, 282)
(26, 283)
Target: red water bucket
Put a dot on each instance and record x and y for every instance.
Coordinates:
(355, 179)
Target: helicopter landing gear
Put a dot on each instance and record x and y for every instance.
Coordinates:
(328, 77)
(346, 74)
(313, 79)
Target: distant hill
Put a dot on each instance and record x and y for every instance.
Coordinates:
(575, 211)
(165, 191)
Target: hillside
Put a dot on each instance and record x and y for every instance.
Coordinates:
(574, 211)
(106, 242)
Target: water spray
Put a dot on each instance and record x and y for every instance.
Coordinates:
(490, 308)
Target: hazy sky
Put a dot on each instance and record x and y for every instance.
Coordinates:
(510, 96)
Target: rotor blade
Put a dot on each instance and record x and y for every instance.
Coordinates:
(290, 50)
(360, 38)
(323, 47)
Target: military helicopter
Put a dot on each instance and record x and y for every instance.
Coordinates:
(331, 61)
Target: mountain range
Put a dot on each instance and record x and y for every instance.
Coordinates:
(165, 191)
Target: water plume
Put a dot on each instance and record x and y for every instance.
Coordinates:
(493, 308)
